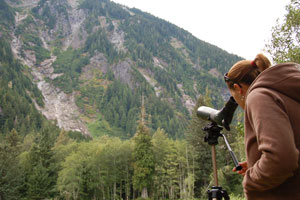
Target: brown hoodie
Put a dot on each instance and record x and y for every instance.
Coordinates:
(272, 134)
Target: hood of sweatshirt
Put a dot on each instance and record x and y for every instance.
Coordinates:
(283, 78)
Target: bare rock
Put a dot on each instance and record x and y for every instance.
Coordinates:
(123, 72)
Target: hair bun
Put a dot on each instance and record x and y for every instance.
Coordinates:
(262, 62)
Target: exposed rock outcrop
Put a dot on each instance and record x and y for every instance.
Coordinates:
(59, 106)
(68, 23)
(23, 3)
(123, 72)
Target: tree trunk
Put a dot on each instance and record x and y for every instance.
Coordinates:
(133, 193)
(127, 185)
(120, 195)
(181, 182)
(115, 191)
(103, 191)
(145, 193)
(193, 191)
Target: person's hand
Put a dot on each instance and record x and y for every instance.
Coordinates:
(244, 168)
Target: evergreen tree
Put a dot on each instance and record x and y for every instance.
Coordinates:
(167, 164)
(10, 173)
(39, 166)
(195, 138)
(144, 160)
(144, 165)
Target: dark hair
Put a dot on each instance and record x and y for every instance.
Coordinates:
(246, 71)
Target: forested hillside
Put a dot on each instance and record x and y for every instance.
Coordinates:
(17, 92)
(102, 57)
(97, 101)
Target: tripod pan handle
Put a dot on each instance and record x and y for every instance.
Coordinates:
(238, 167)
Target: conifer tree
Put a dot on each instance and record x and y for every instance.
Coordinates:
(10, 172)
(195, 138)
(143, 156)
(40, 168)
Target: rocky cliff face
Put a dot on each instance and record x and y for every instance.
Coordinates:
(59, 106)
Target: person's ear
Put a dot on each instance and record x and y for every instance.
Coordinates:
(237, 88)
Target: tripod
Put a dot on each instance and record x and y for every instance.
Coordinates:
(212, 134)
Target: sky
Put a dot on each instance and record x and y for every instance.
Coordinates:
(241, 27)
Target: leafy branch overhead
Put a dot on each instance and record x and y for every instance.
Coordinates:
(284, 45)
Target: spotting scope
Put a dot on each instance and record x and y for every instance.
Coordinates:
(221, 117)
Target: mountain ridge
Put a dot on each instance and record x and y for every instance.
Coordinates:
(76, 50)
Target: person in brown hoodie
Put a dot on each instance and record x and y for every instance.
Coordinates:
(270, 97)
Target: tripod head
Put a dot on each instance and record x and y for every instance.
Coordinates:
(212, 133)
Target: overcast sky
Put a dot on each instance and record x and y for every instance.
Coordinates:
(241, 27)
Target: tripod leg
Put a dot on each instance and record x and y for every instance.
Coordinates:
(214, 161)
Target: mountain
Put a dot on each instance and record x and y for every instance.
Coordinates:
(86, 64)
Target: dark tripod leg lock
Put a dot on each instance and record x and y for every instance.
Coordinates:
(212, 134)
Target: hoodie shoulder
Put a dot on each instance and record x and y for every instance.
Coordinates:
(283, 78)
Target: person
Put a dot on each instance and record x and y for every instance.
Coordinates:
(270, 98)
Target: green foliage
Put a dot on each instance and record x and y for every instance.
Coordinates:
(98, 42)
(28, 33)
(27, 169)
(44, 12)
(167, 81)
(17, 109)
(284, 45)
(230, 181)
(90, 93)
(104, 8)
(120, 107)
(70, 63)
(78, 136)
(238, 145)
(39, 169)
(11, 174)
(40, 161)
(184, 60)
(34, 43)
(26, 24)
(17, 113)
(148, 37)
(101, 127)
(236, 197)
(72, 175)
(144, 159)
(94, 169)
(7, 14)
(173, 167)
(195, 137)
(55, 166)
